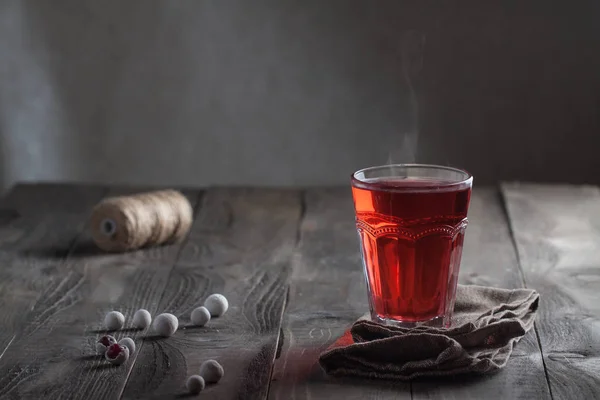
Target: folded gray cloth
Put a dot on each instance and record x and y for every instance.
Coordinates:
(487, 322)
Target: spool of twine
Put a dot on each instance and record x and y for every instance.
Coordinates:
(147, 219)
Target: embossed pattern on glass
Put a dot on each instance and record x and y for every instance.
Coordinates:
(411, 221)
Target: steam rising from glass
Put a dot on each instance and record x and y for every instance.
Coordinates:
(412, 48)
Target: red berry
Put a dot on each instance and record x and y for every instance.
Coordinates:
(114, 350)
(107, 340)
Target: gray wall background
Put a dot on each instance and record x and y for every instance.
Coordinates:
(295, 92)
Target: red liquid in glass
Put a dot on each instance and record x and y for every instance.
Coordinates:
(411, 232)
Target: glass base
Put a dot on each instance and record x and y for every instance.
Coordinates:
(436, 322)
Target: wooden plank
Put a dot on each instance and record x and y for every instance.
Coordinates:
(35, 199)
(240, 246)
(37, 231)
(557, 231)
(489, 259)
(53, 355)
(327, 295)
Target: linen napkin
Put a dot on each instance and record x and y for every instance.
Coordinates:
(486, 324)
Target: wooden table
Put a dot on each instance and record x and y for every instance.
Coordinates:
(288, 261)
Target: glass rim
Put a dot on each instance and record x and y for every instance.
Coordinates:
(466, 182)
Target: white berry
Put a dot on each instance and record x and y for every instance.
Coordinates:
(211, 371)
(129, 343)
(195, 384)
(216, 304)
(200, 316)
(117, 354)
(103, 343)
(114, 320)
(165, 324)
(142, 319)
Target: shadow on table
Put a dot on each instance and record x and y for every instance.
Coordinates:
(82, 249)
(86, 248)
(101, 367)
(114, 331)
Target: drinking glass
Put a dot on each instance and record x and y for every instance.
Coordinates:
(411, 221)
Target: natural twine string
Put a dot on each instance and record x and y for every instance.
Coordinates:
(147, 219)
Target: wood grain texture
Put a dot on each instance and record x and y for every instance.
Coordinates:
(557, 231)
(53, 355)
(55, 291)
(45, 199)
(490, 259)
(240, 246)
(327, 295)
(38, 227)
